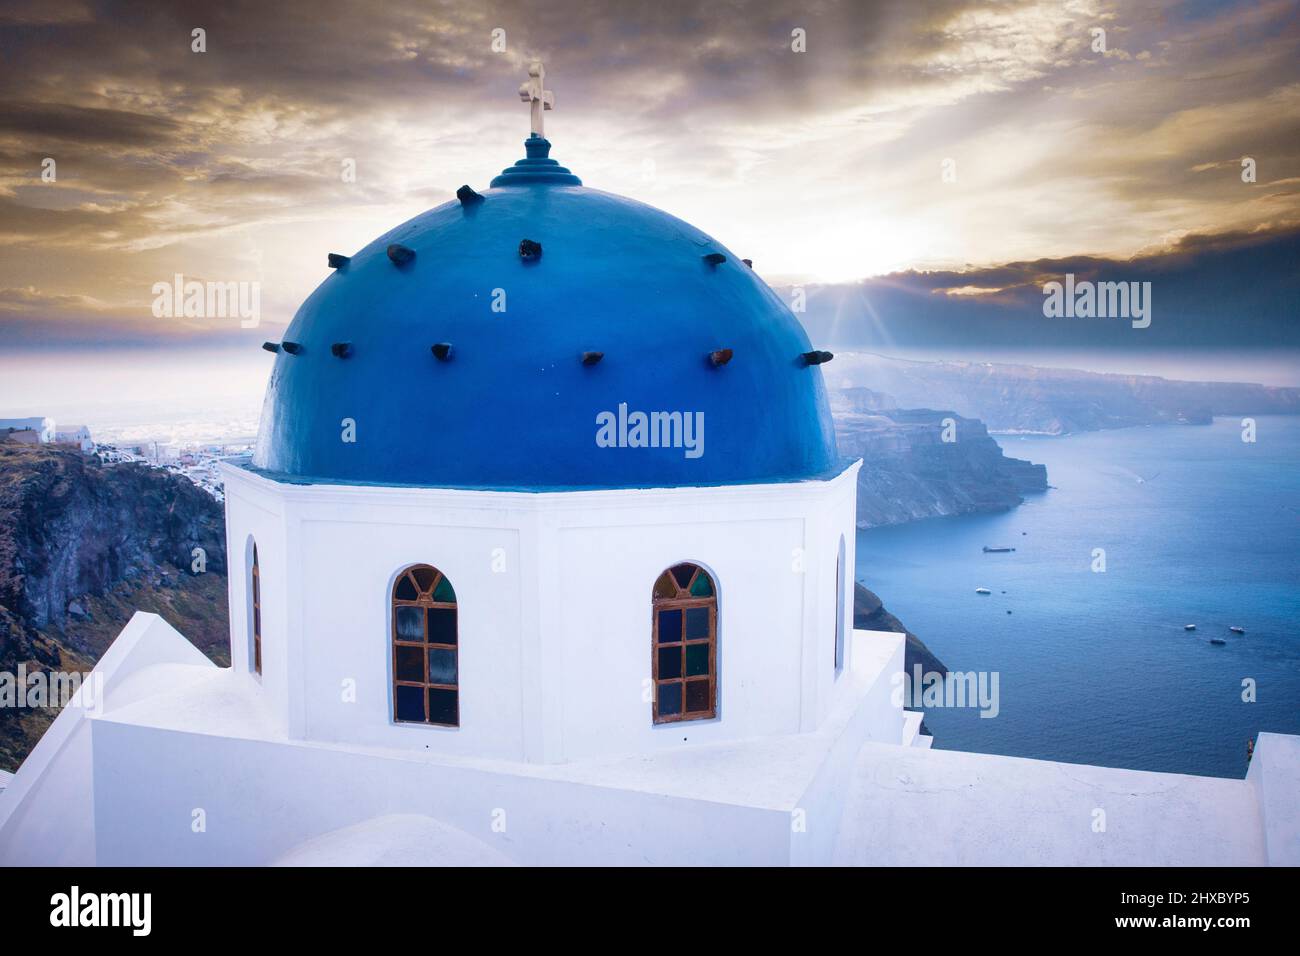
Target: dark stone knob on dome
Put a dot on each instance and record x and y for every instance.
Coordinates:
(467, 196)
(341, 349)
(271, 346)
(720, 357)
(293, 348)
(337, 261)
(816, 357)
(592, 358)
(715, 258)
(748, 262)
(400, 254)
(529, 249)
(441, 351)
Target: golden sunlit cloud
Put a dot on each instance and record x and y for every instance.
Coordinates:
(908, 136)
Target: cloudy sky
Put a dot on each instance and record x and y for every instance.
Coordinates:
(825, 166)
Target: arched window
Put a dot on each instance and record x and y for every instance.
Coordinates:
(684, 654)
(426, 675)
(255, 588)
(839, 608)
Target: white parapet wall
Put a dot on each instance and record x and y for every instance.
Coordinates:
(47, 811)
(1274, 776)
(180, 762)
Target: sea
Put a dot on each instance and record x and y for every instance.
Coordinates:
(1143, 531)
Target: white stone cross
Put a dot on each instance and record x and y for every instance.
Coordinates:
(533, 92)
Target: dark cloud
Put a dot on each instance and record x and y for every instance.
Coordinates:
(59, 123)
(1232, 290)
(227, 162)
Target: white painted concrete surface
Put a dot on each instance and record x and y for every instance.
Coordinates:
(177, 738)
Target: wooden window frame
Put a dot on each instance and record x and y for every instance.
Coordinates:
(257, 614)
(684, 600)
(424, 599)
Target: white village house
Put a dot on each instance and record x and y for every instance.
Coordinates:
(78, 435)
(41, 429)
(545, 557)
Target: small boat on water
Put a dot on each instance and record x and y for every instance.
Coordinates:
(1237, 630)
(988, 550)
(983, 591)
(1189, 627)
(1217, 640)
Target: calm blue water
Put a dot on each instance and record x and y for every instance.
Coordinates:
(1096, 668)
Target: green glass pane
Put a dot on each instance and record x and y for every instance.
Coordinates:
(703, 586)
(664, 587)
(697, 661)
(444, 592)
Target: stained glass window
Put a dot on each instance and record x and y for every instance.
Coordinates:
(684, 645)
(426, 657)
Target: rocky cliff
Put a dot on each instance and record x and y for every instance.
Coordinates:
(869, 614)
(85, 545)
(1058, 401)
(909, 469)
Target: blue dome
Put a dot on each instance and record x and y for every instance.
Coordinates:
(513, 404)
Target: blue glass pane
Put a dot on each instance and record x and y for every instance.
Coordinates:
(442, 625)
(443, 707)
(697, 660)
(410, 663)
(670, 662)
(442, 667)
(408, 703)
(410, 624)
(670, 626)
(697, 623)
(682, 573)
(670, 699)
